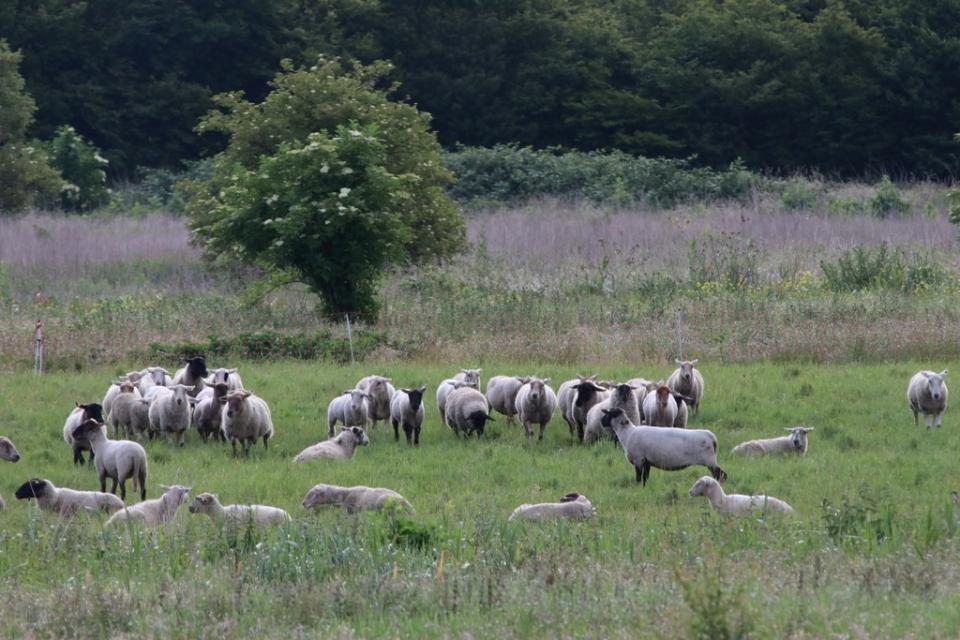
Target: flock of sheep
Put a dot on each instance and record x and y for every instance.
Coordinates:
(647, 419)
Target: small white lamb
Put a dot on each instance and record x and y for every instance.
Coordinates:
(572, 506)
(349, 408)
(153, 512)
(237, 514)
(736, 504)
(354, 499)
(342, 447)
(795, 443)
(245, 418)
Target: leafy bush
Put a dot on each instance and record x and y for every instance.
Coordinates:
(866, 518)
(799, 195)
(887, 201)
(880, 267)
(727, 259)
(846, 206)
(82, 166)
(159, 189)
(720, 610)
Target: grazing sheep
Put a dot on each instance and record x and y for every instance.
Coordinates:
(66, 502)
(588, 394)
(114, 389)
(154, 377)
(406, 408)
(7, 452)
(118, 460)
(572, 506)
(624, 397)
(381, 393)
(343, 447)
(237, 514)
(153, 512)
(565, 397)
(207, 411)
(665, 448)
(467, 410)
(927, 394)
(229, 377)
(466, 378)
(796, 443)
(502, 394)
(736, 504)
(170, 412)
(193, 374)
(80, 414)
(688, 381)
(350, 408)
(536, 402)
(121, 412)
(245, 417)
(660, 408)
(354, 499)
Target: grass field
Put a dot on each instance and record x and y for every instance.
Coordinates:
(880, 559)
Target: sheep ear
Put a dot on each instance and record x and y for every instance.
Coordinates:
(246, 394)
(808, 429)
(605, 412)
(545, 380)
(695, 361)
(943, 374)
(234, 370)
(677, 361)
(164, 487)
(388, 379)
(422, 388)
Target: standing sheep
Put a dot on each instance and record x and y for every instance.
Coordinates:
(154, 377)
(170, 412)
(688, 381)
(572, 506)
(354, 499)
(406, 409)
(245, 417)
(587, 394)
(565, 397)
(381, 393)
(624, 397)
(343, 447)
(467, 410)
(502, 394)
(7, 452)
(796, 443)
(121, 412)
(207, 412)
(193, 374)
(118, 460)
(536, 402)
(660, 408)
(153, 512)
(736, 504)
(350, 408)
(237, 514)
(133, 378)
(79, 415)
(466, 378)
(66, 502)
(927, 394)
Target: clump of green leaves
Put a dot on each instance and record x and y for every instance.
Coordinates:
(887, 201)
(83, 168)
(864, 268)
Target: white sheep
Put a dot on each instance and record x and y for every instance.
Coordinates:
(737, 504)
(565, 397)
(502, 394)
(354, 499)
(237, 514)
(586, 394)
(660, 408)
(229, 377)
(154, 377)
(170, 411)
(208, 410)
(572, 506)
(535, 403)
(119, 460)
(623, 396)
(342, 447)
(927, 394)
(245, 418)
(80, 414)
(350, 408)
(7, 452)
(122, 405)
(466, 378)
(665, 448)
(381, 393)
(66, 502)
(795, 443)
(406, 410)
(113, 390)
(193, 374)
(687, 381)
(466, 410)
(153, 512)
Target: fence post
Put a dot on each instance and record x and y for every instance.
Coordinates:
(350, 337)
(679, 335)
(38, 348)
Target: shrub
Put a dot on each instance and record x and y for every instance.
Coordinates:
(83, 168)
(887, 201)
(727, 259)
(863, 268)
(798, 195)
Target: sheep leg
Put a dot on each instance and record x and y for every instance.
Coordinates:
(543, 426)
(939, 419)
(579, 431)
(78, 456)
(718, 474)
(416, 437)
(396, 431)
(526, 428)
(929, 420)
(142, 479)
(916, 420)
(233, 445)
(123, 489)
(639, 470)
(265, 438)
(113, 489)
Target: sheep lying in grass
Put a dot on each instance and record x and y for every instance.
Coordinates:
(535, 403)
(406, 409)
(795, 443)
(354, 499)
(133, 378)
(66, 502)
(466, 378)
(7, 452)
(237, 514)
(193, 375)
(229, 377)
(502, 394)
(688, 381)
(665, 448)
(350, 408)
(343, 447)
(153, 512)
(380, 393)
(565, 397)
(208, 410)
(587, 395)
(736, 504)
(79, 415)
(467, 410)
(170, 412)
(245, 418)
(624, 397)
(119, 460)
(572, 506)
(927, 394)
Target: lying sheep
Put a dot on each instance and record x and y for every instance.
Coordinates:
(121, 411)
(207, 411)
(796, 443)
(406, 409)
(114, 389)
(467, 410)
(688, 381)
(927, 394)
(154, 377)
(466, 378)
(572, 506)
(350, 408)
(170, 412)
(665, 448)
(587, 394)
(624, 397)
(565, 397)
(354, 499)
(245, 418)
(229, 377)
(535, 402)
(153, 512)
(7, 452)
(502, 394)
(118, 460)
(193, 375)
(237, 514)
(736, 504)
(80, 414)
(343, 447)
(66, 502)
(380, 393)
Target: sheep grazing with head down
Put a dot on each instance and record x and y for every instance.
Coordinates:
(193, 375)
(350, 408)
(354, 499)
(737, 504)
(237, 514)
(153, 512)
(927, 394)
(687, 381)
(565, 397)
(795, 443)
(67, 502)
(7, 452)
(466, 378)
(245, 418)
(343, 447)
(623, 396)
(572, 506)
(79, 415)
(380, 393)
(535, 403)
(467, 410)
(406, 409)
(119, 460)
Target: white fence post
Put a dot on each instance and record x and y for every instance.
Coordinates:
(350, 337)
(38, 349)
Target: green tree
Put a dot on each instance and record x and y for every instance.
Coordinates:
(326, 182)
(82, 166)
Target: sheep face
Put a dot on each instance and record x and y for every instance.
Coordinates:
(703, 486)
(356, 399)
(126, 387)
(416, 397)
(378, 385)
(220, 390)
(180, 396)
(203, 503)
(33, 488)
(196, 367)
(92, 411)
(614, 418)
(686, 368)
(87, 430)
(663, 393)
(570, 497)
(935, 383)
(319, 495)
(222, 376)
(586, 391)
(358, 434)
(798, 437)
(236, 403)
(471, 377)
(623, 392)
(7, 450)
(536, 391)
(178, 494)
(158, 374)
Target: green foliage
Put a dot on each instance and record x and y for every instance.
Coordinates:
(159, 189)
(727, 259)
(863, 268)
(327, 179)
(799, 195)
(887, 201)
(866, 519)
(720, 609)
(83, 168)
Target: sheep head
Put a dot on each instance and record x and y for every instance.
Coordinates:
(703, 486)
(614, 418)
(196, 367)
(203, 503)
(33, 488)
(235, 402)
(222, 376)
(798, 437)
(92, 411)
(586, 391)
(319, 495)
(686, 368)
(176, 494)
(416, 396)
(471, 377)
(359, 435)
(87, 430)
(7, 450)
(935, 383)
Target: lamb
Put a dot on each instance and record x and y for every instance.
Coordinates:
(535, 402)
(154, 377)
(665, 448)
(237, 514)
(153, 512)
(688, 381)
(350, 408)
(343, 447)
(736, 504)
(565, 397)
(796, 443)
(354, 499)
(121, 413)
(572, 506)
(229, 377)
(381, 393)
(927, 394)
(406, 408)
(624, 397)
(133, 378)
(467, 410)
(502, 394)
(661, 408)
(66, 502)
(118, 460)
(170, 412)
(140, 420)
(80, 414)
(193, 374)
(245, 417)
(207, 411)
(466, 377)
(7, 452)
(588, 394)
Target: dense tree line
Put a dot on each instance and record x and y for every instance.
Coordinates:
(846, 86)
